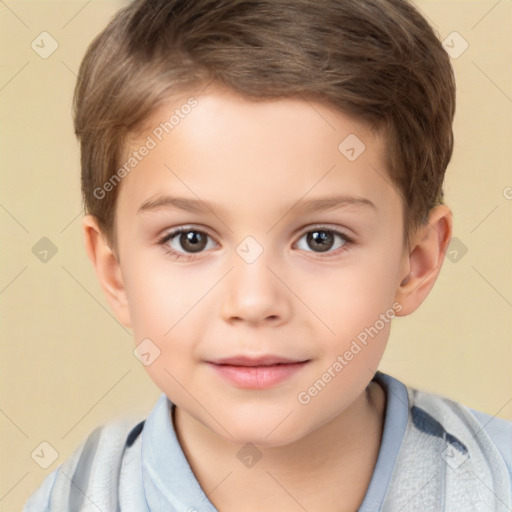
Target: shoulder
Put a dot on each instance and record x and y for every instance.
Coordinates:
(99, 456)
(479, 441)
(500, 432)
(454, 416)
(451, 457)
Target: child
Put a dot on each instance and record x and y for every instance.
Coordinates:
(263, 187)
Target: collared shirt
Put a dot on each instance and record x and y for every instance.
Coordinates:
(156, 476)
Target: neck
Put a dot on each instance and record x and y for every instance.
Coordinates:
(329, 468)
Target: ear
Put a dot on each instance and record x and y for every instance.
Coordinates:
(107, 268)
(423, 259)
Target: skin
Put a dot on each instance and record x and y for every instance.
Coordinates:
(253, 159)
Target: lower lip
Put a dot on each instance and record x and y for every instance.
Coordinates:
(257, 377)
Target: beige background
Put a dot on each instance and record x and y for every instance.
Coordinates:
(67, 365)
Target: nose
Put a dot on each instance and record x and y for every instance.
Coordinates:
(254, 293)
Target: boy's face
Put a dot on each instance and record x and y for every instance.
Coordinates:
(266, 280)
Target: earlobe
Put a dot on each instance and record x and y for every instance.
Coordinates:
(424, 259)
(107, 268)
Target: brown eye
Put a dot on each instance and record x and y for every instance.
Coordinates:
(322, 240)
(193, 241)
(186, 241)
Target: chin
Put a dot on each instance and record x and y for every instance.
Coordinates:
(270, 431)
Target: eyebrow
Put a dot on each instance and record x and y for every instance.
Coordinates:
(199, 206)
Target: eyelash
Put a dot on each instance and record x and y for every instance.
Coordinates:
(189, 256)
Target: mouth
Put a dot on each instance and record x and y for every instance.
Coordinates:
(268, 360)
(257, 372)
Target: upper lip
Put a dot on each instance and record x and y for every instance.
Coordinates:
(267, 360)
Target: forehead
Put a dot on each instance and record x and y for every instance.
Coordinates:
(216, 147)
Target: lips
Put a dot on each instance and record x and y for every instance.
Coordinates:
(256, 372)
(269, 360)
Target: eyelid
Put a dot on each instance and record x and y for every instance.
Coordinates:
(173, 232)
(301, 232)
(348, 241)
(325, 227)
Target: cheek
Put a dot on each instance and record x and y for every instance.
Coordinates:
(161, 302)
(352, 298)
(165, 302)
(160, 295)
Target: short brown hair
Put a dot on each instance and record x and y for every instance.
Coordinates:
(378, 60)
